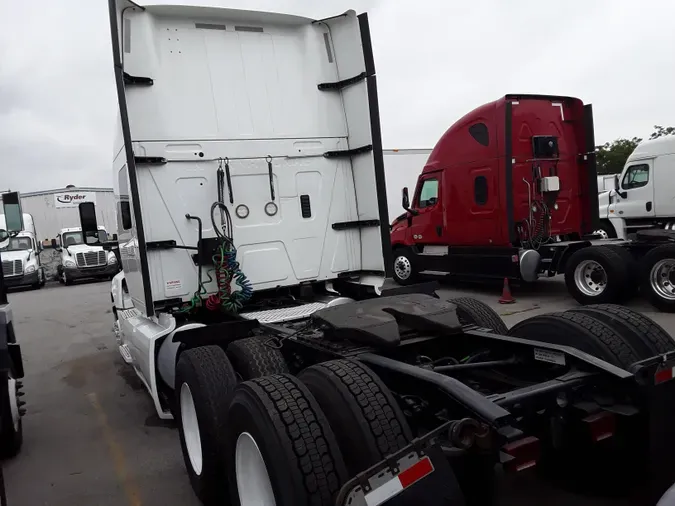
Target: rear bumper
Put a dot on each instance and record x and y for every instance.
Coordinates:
(25, 279)
(91, 272)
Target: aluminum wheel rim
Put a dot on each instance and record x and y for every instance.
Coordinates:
(402, 267)
(590, 278)
(602, 234)
(253, 481)
(188, 417)
(661, 278)
(13, 403)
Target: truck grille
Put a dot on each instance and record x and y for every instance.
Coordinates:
(91, 259)
(12, 268)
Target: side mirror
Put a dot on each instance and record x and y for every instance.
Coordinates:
(114, 237)
(4, 235)
(616, 181)
(11, 206)
(88, 223)
(405, 202)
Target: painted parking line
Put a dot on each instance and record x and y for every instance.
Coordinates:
(115, 449)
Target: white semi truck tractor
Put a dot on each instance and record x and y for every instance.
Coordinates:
(257, 307)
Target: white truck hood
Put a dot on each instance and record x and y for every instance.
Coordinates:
(82, 248)
(10, 256)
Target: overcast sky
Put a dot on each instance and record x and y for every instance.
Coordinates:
(435, 60)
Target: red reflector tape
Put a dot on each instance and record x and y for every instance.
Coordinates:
(523, 454)
(602, 425)
(400, 482)
(664, 375)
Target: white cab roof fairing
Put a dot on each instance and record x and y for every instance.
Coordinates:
(215, 13)
(652, 148)
(205, 85)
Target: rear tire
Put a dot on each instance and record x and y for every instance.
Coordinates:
(657, 272)
(367, 421)
(571, 457)
(279, 447)
(581, 331)
(474, 312)
(645, 335)
(632, 267)
(251, 358)
(405, 268)
(606, 230)
(597, 275)
(204, 380)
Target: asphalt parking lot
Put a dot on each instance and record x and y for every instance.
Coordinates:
(90, 434)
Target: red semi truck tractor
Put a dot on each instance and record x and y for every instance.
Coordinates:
(510, 191)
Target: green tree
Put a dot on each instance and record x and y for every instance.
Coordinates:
(612, 156)
(660, 131)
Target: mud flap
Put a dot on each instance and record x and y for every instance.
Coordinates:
(657, 376)
(661, 406)
(420, 473)
(419, 477)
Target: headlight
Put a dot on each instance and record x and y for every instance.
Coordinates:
(30, 268)
(112, 260)
(68, 263)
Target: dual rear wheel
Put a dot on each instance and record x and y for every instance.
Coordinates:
(274, 438)
(254, 435)
(611, 274)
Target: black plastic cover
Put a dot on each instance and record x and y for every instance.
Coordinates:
(376, 322)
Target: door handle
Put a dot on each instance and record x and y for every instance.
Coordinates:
(648, 206)
(439, 230)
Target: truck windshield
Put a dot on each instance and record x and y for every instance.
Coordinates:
(18, 244)
(74, 238)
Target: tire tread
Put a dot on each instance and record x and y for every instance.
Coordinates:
(473, 311)
(290, 405)
(370, 400)
(253, 359)
(648, 328)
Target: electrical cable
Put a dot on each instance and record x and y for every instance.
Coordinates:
(227, 268)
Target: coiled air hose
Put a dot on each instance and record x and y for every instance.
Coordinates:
(227, 268)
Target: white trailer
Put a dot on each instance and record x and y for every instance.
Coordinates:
(402, 168)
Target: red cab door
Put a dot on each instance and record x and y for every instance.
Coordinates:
(427, 226)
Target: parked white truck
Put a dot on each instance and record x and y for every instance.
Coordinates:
(256, 302)
(80, 260)
(21, 263)
(645, 195)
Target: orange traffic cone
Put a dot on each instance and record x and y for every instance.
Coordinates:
(506, 297)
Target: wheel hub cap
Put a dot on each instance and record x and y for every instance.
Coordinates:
(590, 278)
(662, 278)
(402, 267)
(188, 416)
(253, 480)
